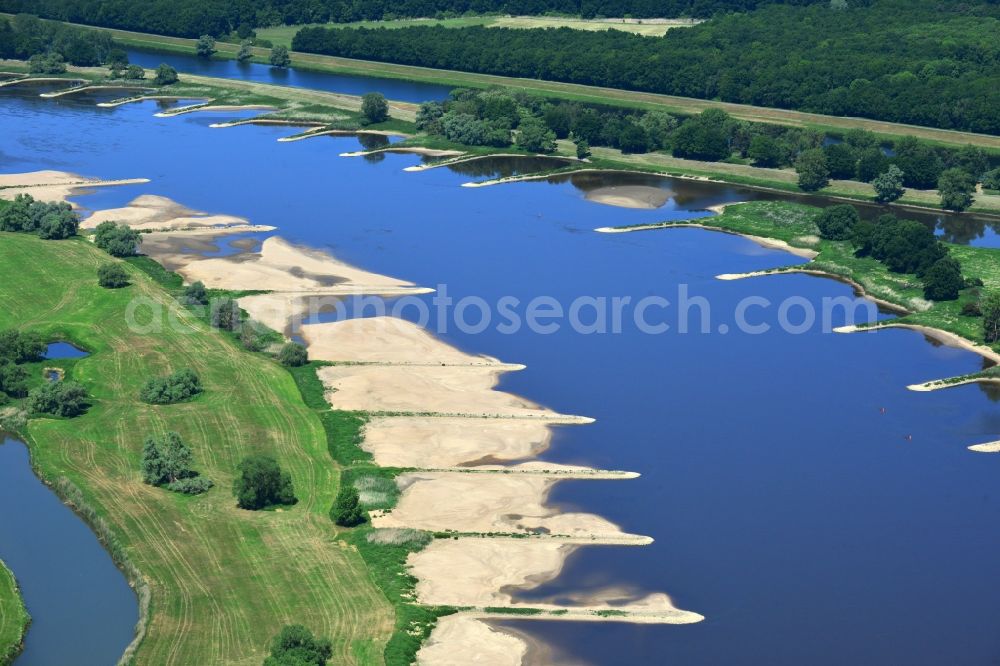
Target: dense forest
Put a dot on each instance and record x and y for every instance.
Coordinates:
(191, 18)
(933, 64)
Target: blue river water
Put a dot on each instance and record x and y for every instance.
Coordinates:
(396, 89)
(800, 497)
(82, 610)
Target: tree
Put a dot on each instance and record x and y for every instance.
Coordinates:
(374, 108)
(59, 223)
(165, 75)
(765, 151)
(990, 305)
(943, 280)
(633, 139)
(135, 73)
(116, 59)
(18, 347)
(246, 51)
(871, 162)
(429, 117)
(205, 46)
(534, 136)
(296, 646)
(118, 240)
(293, 355)
(919, 162)
(57, 399)
(177, 387)
(346, 510)
(904, 246)
(700, 138)
(991, 180)
(13, 379)
(279, 56)
(956, 188)
(49, 63)
(889, 185)
(166, 461)
(812, 170)
(841, 160)
(112, 276)
(582, 149)
(226, 314)
(838, 222)
(973, 160)
(195, 294)
(262, 483)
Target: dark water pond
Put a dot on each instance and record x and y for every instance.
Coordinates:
(397, 89)
(82, 610)
(800, 497)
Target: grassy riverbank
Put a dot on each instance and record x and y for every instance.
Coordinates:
(14, 618)
(222, 580)
(582, 93)
(794, 224)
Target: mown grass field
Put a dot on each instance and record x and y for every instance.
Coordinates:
(223, 581)
(571, 91)
(283, 34)
(794, 224)
(13, 616)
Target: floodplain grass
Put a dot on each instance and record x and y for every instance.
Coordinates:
(14, 618)
(283, 34)
(222, 581)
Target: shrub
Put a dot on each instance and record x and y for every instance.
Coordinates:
(177, 387)
(296, 646)
(293, 355)
(12, 380)
(991, 179)
(193, 486)
(279, 56)
(889, 185)
(956, 188)
(195, 294)
(812, 170)
(166, 461)
(118, 240)
(838, 222)
(346, 510)
(262, 483)
(226, 314)
(165, 75)
(18, 347)
(205, 46)
(374, 108)
(971, 309)
(58, 399)
(135, 73)
(990, 305)
(943, 280)
(111, 276)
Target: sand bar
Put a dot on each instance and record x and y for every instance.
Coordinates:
(462, 639)
(421, 441)
(386, 340)
(149, 212)
(50, 185)
(630, 196)
(989, 447)
(507, 503)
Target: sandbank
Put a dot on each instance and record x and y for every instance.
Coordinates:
(149, 212)
(448, 390)
(282, 266)
(338, 132)
(428, 152)
(462, 639)
(387, 340)
(989, 447)
(630, 196)
(48, 185)
(192, 108)
(421, 441)
(771, 243)
(488, 502)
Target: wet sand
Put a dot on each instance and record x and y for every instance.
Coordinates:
(630, 196)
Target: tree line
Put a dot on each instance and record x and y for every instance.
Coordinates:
(192, 18)
(501, 117)
(936, 65)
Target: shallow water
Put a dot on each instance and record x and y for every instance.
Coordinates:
(813, 509)
(82, 610)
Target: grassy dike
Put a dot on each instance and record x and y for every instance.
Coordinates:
(794, 224)
(14, 617)
(221, 581)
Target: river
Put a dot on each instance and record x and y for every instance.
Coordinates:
(800, 497)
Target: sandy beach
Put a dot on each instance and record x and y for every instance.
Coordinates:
(943, 337)
(460, 639)
(149, 212)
